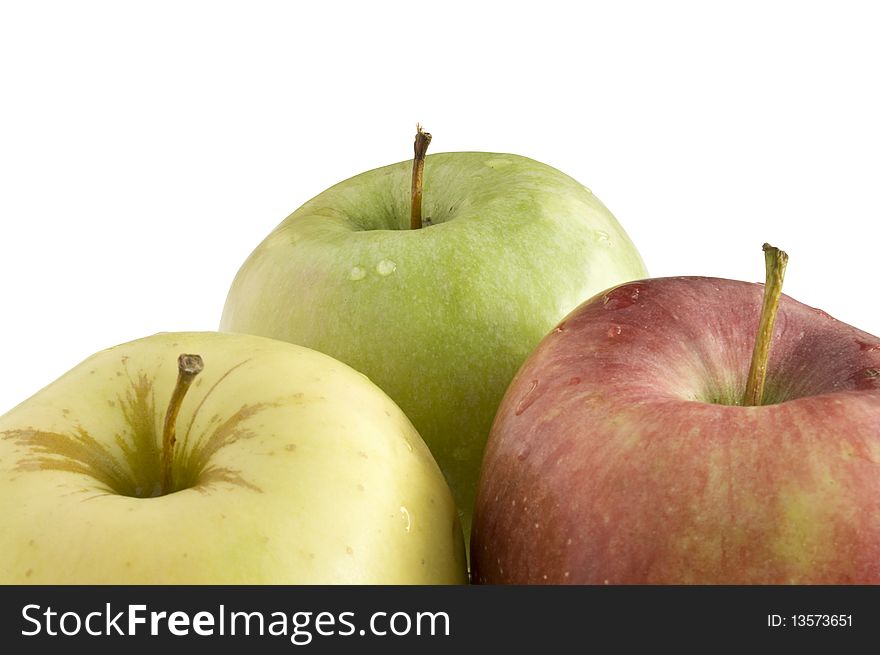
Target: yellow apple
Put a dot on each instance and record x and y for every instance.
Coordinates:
(284, 466)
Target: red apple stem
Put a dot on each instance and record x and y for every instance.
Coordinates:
(188, 367)
(420, 148)
(775, 261)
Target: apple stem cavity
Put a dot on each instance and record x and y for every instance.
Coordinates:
(420, 148)
(188, 367)
(775, 261)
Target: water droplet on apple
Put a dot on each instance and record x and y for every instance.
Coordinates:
(407, 519)
(602, 237)
(622, 296)
(528, 398)
(614, 331)
(865, 346)
(867, 378)
(409, 445)
(357, 273)
(386, 267)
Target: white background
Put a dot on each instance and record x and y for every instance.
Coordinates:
(146, 148)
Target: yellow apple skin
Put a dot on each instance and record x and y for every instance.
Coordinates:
(298, 470)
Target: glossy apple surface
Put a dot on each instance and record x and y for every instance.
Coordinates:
(618, 455)
(440, 317)
(290, 468)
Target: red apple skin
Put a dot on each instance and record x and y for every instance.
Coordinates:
(608, 462)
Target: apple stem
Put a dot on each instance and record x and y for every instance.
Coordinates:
(188, 367)
(420, 148)
(775, 261)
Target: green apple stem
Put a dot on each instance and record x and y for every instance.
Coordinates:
(420, 148)
(188, 367)
(775, 261)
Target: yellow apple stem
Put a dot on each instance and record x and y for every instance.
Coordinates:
(775, 261)
(188, 367)
(418, 174)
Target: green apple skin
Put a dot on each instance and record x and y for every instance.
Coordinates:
(442, 317)
(294, 469)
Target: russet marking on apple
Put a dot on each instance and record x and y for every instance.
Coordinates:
(216, 417)
(140, 474)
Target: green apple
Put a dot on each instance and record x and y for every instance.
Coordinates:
(440, 317)
(274, 464)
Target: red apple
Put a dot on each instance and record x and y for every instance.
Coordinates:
(620, 455)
